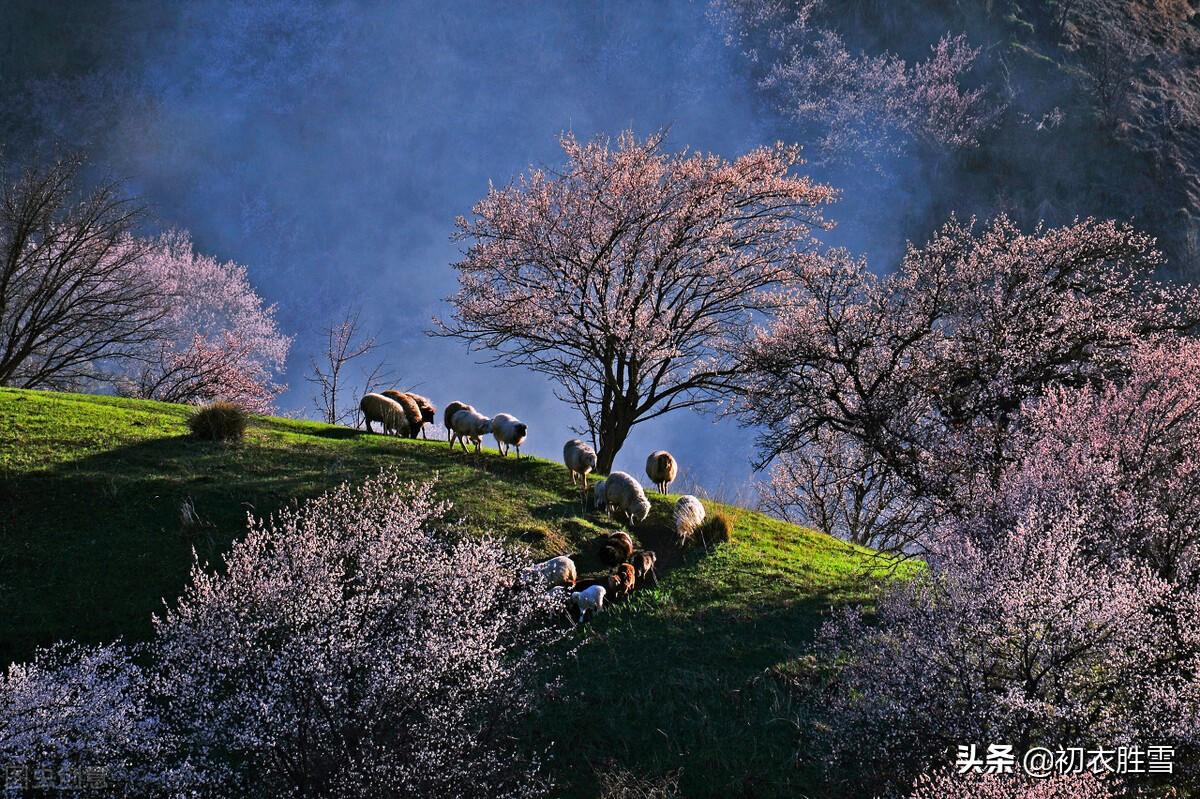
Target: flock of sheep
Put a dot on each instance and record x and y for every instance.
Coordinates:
(620, 495)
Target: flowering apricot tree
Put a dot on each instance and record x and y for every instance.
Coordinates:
(929, 366)
(217, 341)
(859, 103)
(1057, 610)
(624, 276)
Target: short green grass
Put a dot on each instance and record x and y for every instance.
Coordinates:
(685, 678)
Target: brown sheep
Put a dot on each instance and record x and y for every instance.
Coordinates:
(385, 410)
(643, 567)
(428, 410)
(412, 411)
(661, 468)
(448, 414)
(615, 548)
(617, 583)
(622, 580)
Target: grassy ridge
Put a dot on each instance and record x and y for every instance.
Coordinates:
(681, 678)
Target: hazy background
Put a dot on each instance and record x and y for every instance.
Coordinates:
(329, 147)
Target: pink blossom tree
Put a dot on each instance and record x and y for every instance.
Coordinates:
(837, 485)
(928, 367)
(218, 340)
(1029, 642)
(82, 708)
(1058, 607)
(859, 103)
(623, 276)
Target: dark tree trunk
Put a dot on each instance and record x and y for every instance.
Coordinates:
(615, 423)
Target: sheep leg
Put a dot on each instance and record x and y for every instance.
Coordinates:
(368, 421)
(518, 452)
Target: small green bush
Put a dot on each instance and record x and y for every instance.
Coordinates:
(218, 421)
(717, 528)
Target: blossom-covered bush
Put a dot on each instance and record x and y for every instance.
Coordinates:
(351, 646)
(76, 708)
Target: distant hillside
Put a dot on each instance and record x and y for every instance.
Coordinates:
(688, 677)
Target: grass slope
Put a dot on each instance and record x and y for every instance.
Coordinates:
(681, 678)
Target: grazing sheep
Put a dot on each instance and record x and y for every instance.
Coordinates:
(509, 432)
(622, 493)
(621, 581)
(428, 410)
(470, 424)
(589, 600)
(386, 411)
(643, 567)
(689, 515)
(661, 468)
(579, 459)
(412, 412)
(448, 414)
(614, 548)
(555, 572)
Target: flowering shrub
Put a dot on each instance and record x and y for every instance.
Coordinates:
(349, 647)
(73, 708)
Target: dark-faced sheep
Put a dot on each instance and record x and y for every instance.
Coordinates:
(614, 549)
(412, 412)
(448, 414)
(470, 424)
(428, 410)
(386, 411)
(643, 567)
(509, 432)
(621, 493)
(661, 468)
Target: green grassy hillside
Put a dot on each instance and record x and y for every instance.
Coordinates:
(684, 678)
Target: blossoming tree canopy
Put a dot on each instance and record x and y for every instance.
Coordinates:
(623, 275)
(218, 339)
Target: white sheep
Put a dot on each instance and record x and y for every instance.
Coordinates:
(589, 600)
(689, 515)
(623, 493)
(470, 424)
(661, 468)
(378, 408)
(555, 572)
(580, 459)
(509, 432)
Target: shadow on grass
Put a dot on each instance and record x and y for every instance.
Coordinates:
(655, 693)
